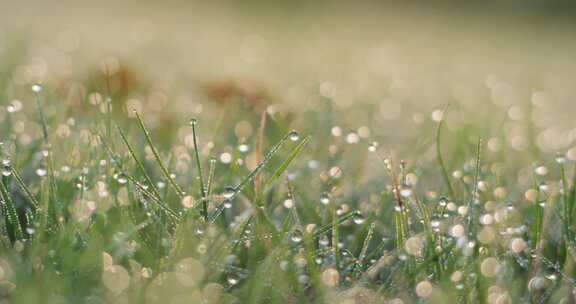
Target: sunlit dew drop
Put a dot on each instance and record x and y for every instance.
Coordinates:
(543, 186)
(232, 279)
(226, 158)
(323, 241)
(405, 192)
(37, 88)
(14, 106)
(6, 167)
(325, 199)
(296, 235)
(443, 201)
(552, 277)
(193, 121)
(373, 146)
(358, 218)
(293, 135)
(352, 138)
(41, 172)
(541, 170)
(228, 192)
(288, 203)
(560, 159)
(243, 148)
(121, 178)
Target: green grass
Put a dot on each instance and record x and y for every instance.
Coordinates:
(153, 206)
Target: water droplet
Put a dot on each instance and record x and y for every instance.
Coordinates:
(6, 167)
(296, 235)
(560, 159)
(323, 241)
(41, 172)
(358, 218)
(325, 198)
(243, 148)
(373, 146)
(293, 135)
(228, 192)
(37, 88)
(443, 201)
(14, 106)
(406, 192)
(543, 186)
(121, 178)
(193, 121)
(232, 279)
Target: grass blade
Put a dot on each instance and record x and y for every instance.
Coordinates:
(177, 188)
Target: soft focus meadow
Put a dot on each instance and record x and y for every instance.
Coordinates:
(293, 153)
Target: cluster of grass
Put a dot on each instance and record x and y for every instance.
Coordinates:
(99, 207)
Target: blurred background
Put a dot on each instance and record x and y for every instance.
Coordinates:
(390, 63)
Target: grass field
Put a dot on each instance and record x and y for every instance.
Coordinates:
(335, 165)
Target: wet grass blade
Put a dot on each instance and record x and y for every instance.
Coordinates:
(169, 178)
(138, 162)
(338, 221)
(439, 158)
(33, 201)
(282, 168)
(10, 212)
(203, 191)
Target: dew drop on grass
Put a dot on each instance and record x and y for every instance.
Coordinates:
(325, 199)
(323, 241)
(296, 236)
(560, 159)
(232, 279)
(358, 218)
(405, 192)
(193, 121)
(443, 201)
(6, 167)
(293, 135)
(243, 148)
(373, 146)
(41, 172)
(228, 192)
(37, 88)
(121, 178)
